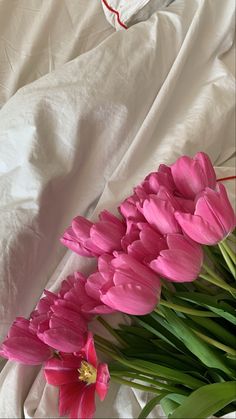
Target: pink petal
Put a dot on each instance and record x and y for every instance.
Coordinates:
(208, 170)
(70, 397)
(180, 242)
(97, 308)
(198, 229)
(93, 285)
(81, 228)
(177, 265)
(75, 247)
(192, 175)
(102, 383)
(137, 250)
(26, 351)
(151, 240)
(217, 205)
(89, 350)
(131, 299)
(135, 270)
(104, 266)
(109, 217)
(63, 311)
(57, 373)
(107, 236)
(160, 214)
(87, 403)
(63, 339)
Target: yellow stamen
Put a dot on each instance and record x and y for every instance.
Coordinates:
(87, 373)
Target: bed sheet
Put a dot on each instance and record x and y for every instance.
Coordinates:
(38, 36)
(79, 138)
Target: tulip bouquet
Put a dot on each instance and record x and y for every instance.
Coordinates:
(168, 263)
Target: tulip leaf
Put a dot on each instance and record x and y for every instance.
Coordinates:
(136, 330)
(196, 345)
(167, 373)
(216, 329)
(150, 406)
(219, 307)
(162, 333)
(206, 401)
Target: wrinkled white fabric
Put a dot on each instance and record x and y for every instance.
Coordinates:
(78, 139)
(121, 13)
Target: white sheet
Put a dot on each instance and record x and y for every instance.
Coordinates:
(78, 139)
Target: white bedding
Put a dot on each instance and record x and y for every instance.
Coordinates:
(77, 139)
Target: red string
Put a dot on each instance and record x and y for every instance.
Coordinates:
(225, 178)
(116, 12)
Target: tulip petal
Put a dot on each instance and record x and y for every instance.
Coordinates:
(177, 265)
(75, 246)
(93, 285)
(87, 402)
(57, 373)
(160, 214)
(70, 397)
(81, 227)
(89, 350)
(107, 236)
(26, 351)
(198, 229)
(102, 383)
(135, 271)
(63, 339)
(131, 299)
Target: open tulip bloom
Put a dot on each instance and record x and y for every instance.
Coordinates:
(168, 262)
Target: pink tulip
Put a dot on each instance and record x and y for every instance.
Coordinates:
(159, 212)
(128, 209)
(126, 285)
(213, 218)
(156, 180)
(192, 175)
(93, 239)
(22, 345)
(181, 261)
(79, 376)
(58, 319)
(147, 243)
(75, 289)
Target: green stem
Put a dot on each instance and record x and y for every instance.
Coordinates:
(213, 278)
(215, 343)
(169, 286)
(230, 252)
(187, 310)
(156, 383)
(189, 380)
(106, 344)
(201, 287)
(112, 331)
(227, 259)
(136, 385)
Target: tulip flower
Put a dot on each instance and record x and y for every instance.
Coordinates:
(213, 218)
(128, 209)
(181, 261)
(75, 289)
(144, 243)
(156, 180)
(93, 239)
(126, 285)
(159, 213)
(58, 320)
(23, 345)
(79, 376)
(192, 175)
